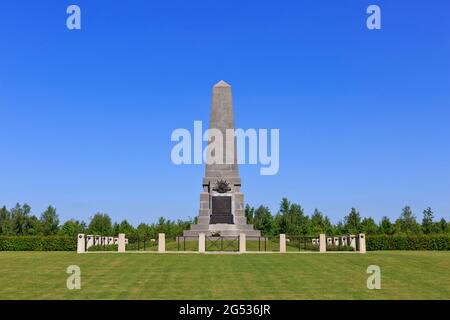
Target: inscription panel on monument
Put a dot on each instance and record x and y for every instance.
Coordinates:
(221, 205)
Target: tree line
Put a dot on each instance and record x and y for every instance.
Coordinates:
(19, 221)
(290, 219)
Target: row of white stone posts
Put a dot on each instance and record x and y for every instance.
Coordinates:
(322, 241)
(349, 240)
(84, 242)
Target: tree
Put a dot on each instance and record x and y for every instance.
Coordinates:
(319, 224)
(352, 222)
(386, 227)
(6, 223)
(144, 230)
(427, 221)
(291, 218)
(72, 227)
(407, 222)
(340, 228)
(368, 226)
(249, 213)
(100, 225)
(442, 226)
(263, 221)
(124, 227)
(49, 221)
(22, 222)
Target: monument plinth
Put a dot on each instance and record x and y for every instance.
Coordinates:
(222, 202)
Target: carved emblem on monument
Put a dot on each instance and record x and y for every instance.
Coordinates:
(222, 186)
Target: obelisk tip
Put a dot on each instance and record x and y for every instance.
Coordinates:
(222, 84)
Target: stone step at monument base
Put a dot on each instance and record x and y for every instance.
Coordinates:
(227, 233)
(231, 220)
(220, 227)
(223, 229)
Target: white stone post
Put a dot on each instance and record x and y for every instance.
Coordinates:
(322, 243)
(282, 243)
(90, 241)
(362, 243)
(121, 245)
(161, 242)
(242, 242)
(352, 240)
(201, 243)
(81, 245)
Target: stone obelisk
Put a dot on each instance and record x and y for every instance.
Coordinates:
(222, 202)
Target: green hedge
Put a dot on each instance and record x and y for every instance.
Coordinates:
(109, 247)
(408, 242)
(38, 243)
(333, 247)
(373, 242)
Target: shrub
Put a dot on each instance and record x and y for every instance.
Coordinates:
(333, 247)
(38, 243)
(109, 247)
(408, 242)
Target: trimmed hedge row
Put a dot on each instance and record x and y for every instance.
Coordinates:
(408, 242)
(110, 247)
(332, 247)
(373, 242)
(37, 243)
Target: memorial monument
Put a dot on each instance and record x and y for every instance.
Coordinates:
(221, 201)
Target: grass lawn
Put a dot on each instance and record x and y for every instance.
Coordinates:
(405, 275)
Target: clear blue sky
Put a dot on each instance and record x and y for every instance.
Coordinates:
(86, 116)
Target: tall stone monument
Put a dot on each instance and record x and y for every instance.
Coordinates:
(222, 202)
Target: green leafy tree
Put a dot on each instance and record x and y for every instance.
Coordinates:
(49, 221)
(249, 214)
(72, 228)
(144, 230)
(442, 226)
(291, 218)
(340, 228)
(319, 224)
(352, 222)
(6, 222)
(386, 226)
(407, 222)
(124, 227)
(22, 222)
(282, 218)
(369, 226)
(263, 221)
(427, 221)
(100, 225)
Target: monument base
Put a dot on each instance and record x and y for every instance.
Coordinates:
(223, 229)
